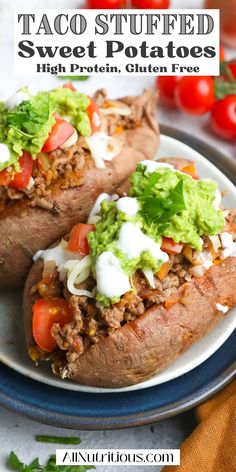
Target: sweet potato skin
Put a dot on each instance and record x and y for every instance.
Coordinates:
(25, 229)
(146, 346)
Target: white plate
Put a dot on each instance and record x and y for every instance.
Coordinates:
(12, 344)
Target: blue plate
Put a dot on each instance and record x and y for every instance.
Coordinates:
(70, 409)
(117, 410)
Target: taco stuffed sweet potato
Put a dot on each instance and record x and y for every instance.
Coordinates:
(150, 274)
(59, 150)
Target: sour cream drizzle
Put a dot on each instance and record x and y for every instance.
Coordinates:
(111, 279)
(152, 166)
(103, 148)
(128, 205)
(4, 153)
(132, 241)
(57, 254)
(94, 215)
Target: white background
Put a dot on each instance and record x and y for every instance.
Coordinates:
(17, 433)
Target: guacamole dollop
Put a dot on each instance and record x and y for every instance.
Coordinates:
(27, 126)
(175, 205)
(105, 238)
(171, 204)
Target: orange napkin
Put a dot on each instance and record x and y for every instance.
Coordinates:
(212, 446)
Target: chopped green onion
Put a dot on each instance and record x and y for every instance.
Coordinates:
(57, 439)
(73, 77)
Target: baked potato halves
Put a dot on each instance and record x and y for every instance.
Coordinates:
(41, 199)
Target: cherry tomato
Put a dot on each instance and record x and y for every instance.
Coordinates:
(94, 116)
(69, 86)
(6, 175)
(78, 241)
(150, 4)
(105, 4)
(46, 312)
(60, 132)
(169, 246)
(223, 117)
(22, 178)
(166, 86)
(222, 53)
(195, 95)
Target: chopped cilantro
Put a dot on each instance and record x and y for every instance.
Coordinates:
(14, 464)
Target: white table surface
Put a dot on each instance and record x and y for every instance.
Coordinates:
(16, 432)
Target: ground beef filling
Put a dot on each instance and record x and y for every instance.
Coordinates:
(91, 322)
(66, 167)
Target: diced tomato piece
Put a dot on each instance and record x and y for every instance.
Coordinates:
(22, 178)
(60, 132)
(18, 179)
(191, 170)
(78, 241)
(94, 116)
(69, 86)
(169, 246)
(46, 312)
(6, 176)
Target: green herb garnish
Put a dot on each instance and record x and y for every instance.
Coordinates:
(56, 439)
(225, 84)
(13, 463)
(26, 127)
(28, 118)
(52, 467)
(161, 210)
(153, 179)
(73, 77)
